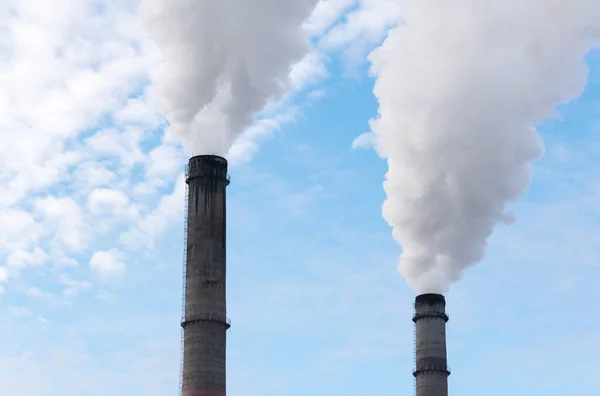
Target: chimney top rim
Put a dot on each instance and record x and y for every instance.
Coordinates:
(208, 156)
(430, 298)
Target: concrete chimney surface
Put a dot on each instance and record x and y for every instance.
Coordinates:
(205, 320)
(431, 371)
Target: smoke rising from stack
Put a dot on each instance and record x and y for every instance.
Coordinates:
(222, 62)
(461, 86)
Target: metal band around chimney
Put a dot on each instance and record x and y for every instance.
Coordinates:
(211, 317)
(431, 315)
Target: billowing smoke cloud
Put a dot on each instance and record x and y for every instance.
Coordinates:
(223, 61)
(461, 86)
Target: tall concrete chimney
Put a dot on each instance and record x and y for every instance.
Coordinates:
(204, 320)
(431, 371)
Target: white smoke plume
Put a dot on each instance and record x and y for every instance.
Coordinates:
(461, 85)
(222, 62)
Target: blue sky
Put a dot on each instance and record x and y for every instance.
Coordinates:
(91, 256)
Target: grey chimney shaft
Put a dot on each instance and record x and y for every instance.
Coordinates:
(431, 371)
(204, 319)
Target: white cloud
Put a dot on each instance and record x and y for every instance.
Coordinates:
(140, 111)
(325, 15)
(247, 144)
(364, 141)
(163, 164)
(90, 66)
(153, 224)
(169, 208)
(35, 292)
(92, 174)
(20, 259)
(310, 70)
(18, 229)
(106, 201)
(362, 27)
(63, 222)
(122, 145)
(20, 312)
(165, 161)
(77, 112)
(73, 287)
(62, 262)
(108, 264)
(317, 94)
(134, 239)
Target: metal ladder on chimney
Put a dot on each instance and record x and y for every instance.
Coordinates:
(183, 285)
(415, 357)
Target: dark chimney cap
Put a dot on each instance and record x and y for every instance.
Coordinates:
(207, 166)
(430, 299)
(208, 157)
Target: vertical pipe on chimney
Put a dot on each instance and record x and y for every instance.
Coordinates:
(431, 371)
(205, 320)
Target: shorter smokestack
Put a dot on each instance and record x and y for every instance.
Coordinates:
(431, 371)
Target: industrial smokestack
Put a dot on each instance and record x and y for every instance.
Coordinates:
(204, 320)
(431, 367)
